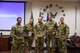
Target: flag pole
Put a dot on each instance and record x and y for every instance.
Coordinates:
(75, 18)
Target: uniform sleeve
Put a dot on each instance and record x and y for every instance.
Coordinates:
(13, 35)
(56, 26)
(67, 31)
(56, 29)
(35, 27)
(45, 26)
(25, 28)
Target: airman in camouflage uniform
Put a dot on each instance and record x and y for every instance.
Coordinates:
(17, 39)
(51, 28)
(39, 35)
(63, 35)
(28, 38)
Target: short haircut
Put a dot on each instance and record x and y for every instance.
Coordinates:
(62, 17)
(19, 18)
(31, 18)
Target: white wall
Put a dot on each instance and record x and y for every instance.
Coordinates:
(78, 19)
(69, 8)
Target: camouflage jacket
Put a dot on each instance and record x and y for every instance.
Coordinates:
(16, 32)
(51, 27)
(28, 30)
(63, 31)
(39, 29)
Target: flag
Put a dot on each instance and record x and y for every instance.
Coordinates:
(47, 17)
(32, 17)
(31, 14)
(39, 14)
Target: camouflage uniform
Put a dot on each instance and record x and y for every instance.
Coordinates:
(17, 39)
(40, 39)
(62, 37)
(51, 27)
(28, 37)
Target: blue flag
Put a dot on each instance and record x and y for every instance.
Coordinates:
(32, 17)
(39, 14)
(47, 17)
(31, 14)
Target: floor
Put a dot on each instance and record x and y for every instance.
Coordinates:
(5, 51)
(45, 51)
(10, 51)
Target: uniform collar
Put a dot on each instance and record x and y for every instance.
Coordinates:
(18, 25)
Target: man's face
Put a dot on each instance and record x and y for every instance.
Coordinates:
(40, 19)
(31, 21)
(61, 20)
(50, 18)
(19, 21)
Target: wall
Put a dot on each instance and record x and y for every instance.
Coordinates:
(69, 8)
(78, 19)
